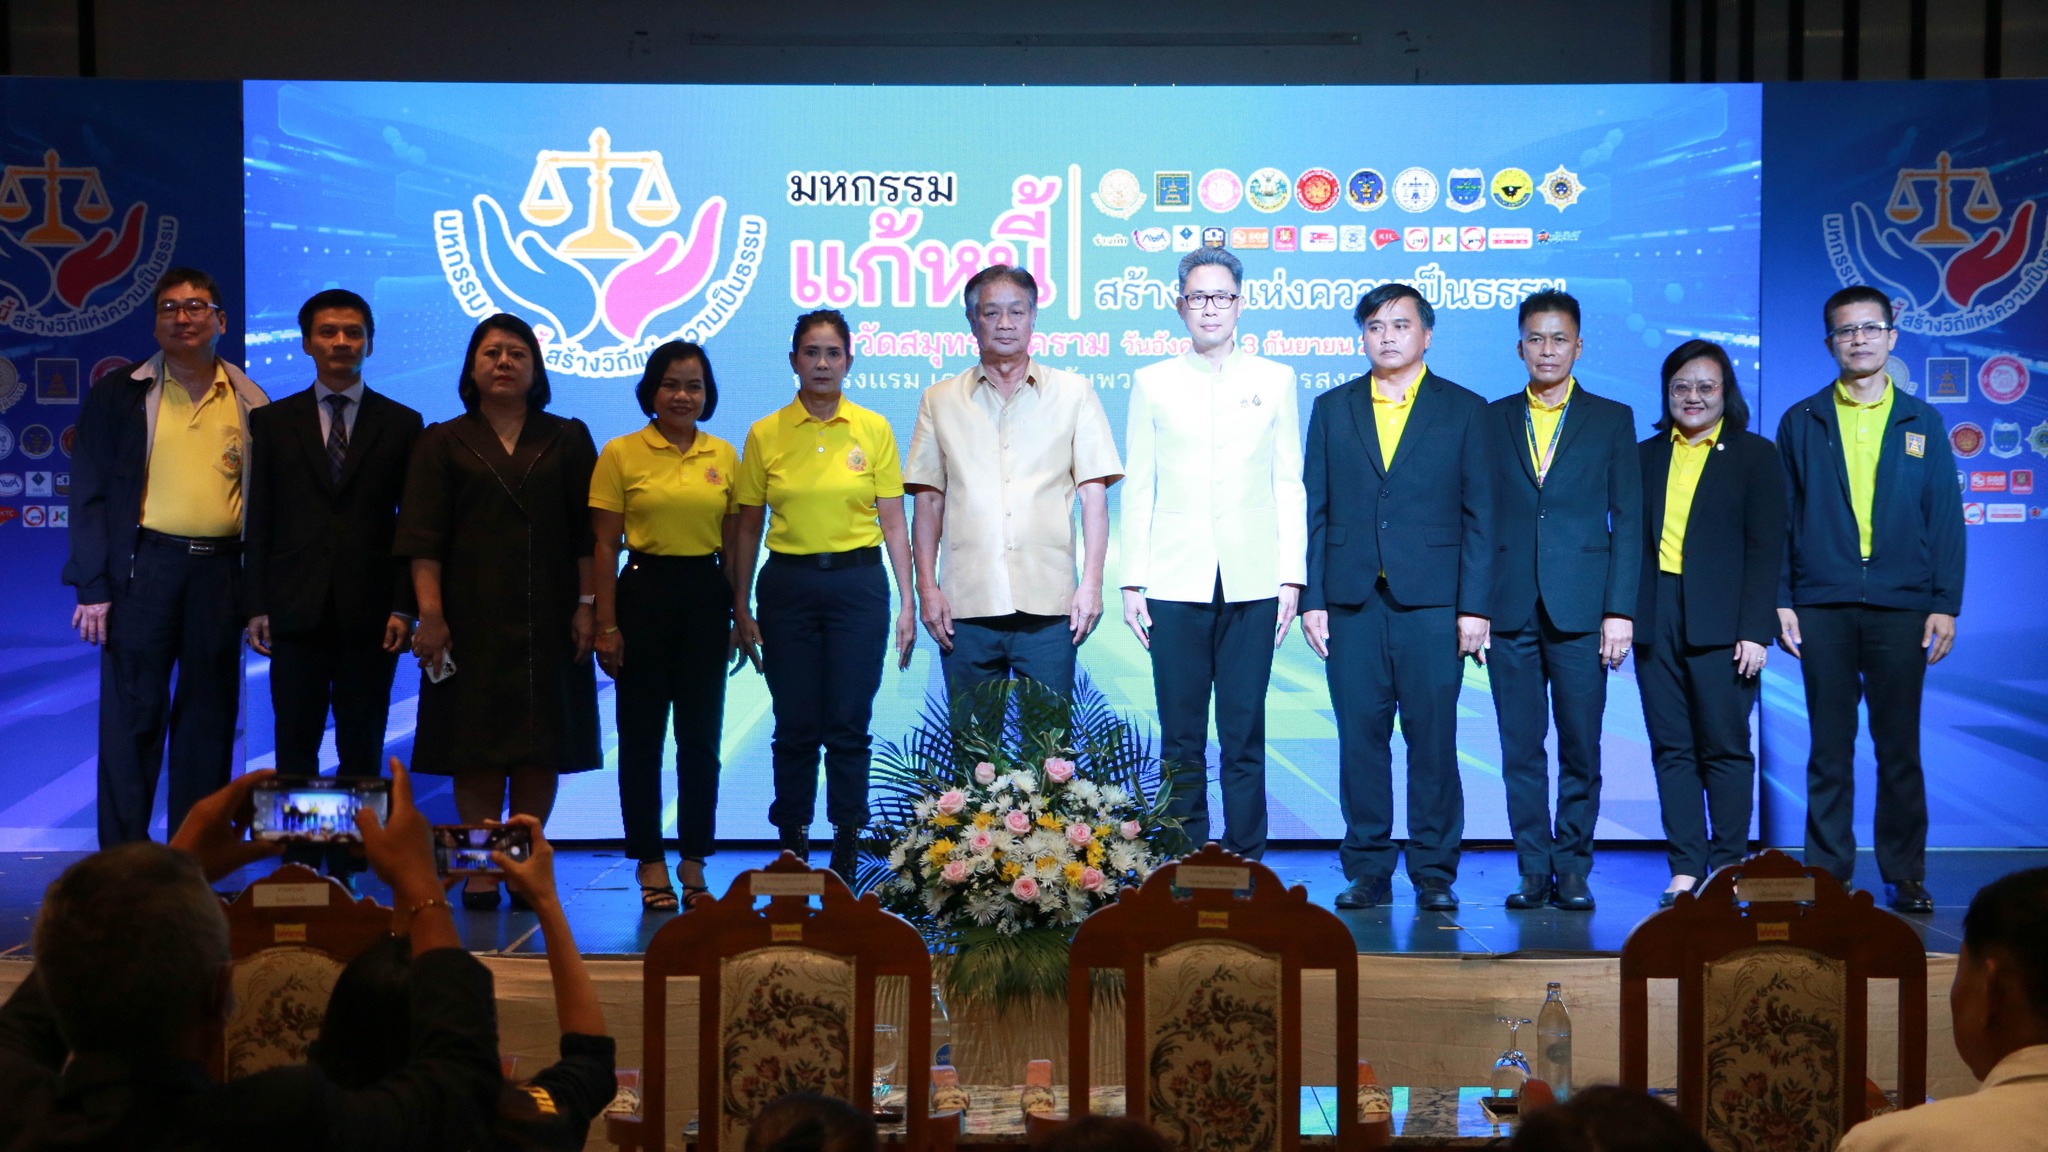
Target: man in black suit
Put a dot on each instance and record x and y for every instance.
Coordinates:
(1568, 507)
(1399, 561)
(327, 601)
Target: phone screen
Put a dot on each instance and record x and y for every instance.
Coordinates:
(317, 809)
(465, 849)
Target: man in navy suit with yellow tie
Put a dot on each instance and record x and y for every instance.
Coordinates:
(1568, 511)
(1399, 559)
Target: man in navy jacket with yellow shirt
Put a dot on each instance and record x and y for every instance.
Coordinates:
(1873, 584)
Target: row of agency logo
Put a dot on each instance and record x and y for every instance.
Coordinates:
(36, 441)
(1334, 238)
(1120, 193)
(1975, 513)
(1968, 439)
(35, 483)
(2018, 482)
(54, 379)
(2001, 379)
(38, 515)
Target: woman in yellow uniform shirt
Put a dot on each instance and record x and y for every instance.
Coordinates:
(664, 623)
(828, 469)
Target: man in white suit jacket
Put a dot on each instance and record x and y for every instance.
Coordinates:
(1214, 546)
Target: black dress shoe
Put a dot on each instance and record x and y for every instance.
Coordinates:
(796, 840)
(1572, 895)
(1365, 892)
(1435, 896)
(845, 850)
(1667, 898)
(1909, 896)
(1534, 892)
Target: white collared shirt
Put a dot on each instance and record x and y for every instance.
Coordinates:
(2007, 1113)
(354, 392)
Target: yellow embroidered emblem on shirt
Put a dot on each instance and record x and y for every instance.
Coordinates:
(855, 460)
(1916, 444)
(712, 477)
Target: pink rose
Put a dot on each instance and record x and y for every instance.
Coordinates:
(1026, 888)
(1091, 879)
(1017, 822)
(1130, 830)
(1059, 771)
(955, 872)
(985, 773)
(1079, 833)
(981, 842)
(952, 802)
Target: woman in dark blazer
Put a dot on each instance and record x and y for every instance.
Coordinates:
(1713, 540)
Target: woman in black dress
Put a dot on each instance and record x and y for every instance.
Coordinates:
(497, 522)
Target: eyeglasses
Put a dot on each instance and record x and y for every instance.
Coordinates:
(1218, 300)
(190, 309)
(1687, 389)
(1848, 333)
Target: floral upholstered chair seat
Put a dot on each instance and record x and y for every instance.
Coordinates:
(1775, 1029)
(785, 1024)
(1212, 1030)
(280, 1000)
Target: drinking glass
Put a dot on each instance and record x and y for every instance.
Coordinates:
(888, 1050)
(1511, 1067)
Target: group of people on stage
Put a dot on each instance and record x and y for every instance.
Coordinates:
(1419, 526)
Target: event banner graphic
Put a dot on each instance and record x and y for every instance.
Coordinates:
(96, 201)
(1933, 193)
(617, 218)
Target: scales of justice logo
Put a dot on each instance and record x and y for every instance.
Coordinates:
(603, 295)
(64, 269)
(1962, 263)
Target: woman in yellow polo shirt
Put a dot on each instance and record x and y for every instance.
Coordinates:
(1713, 537)
(829, 471)
(664, 623)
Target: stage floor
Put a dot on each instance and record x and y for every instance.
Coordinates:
(603, 901)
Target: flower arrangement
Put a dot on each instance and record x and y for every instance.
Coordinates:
(1002, 822)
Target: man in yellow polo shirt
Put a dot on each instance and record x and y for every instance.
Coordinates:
(1873, 586)
(156, 556)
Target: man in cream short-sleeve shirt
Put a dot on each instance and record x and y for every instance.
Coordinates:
(999, 454)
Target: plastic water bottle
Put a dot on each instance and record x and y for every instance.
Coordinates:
(942, 1029)
(1554, 1043)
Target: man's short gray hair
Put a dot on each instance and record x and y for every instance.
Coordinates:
(130, 944)
(1210, 258)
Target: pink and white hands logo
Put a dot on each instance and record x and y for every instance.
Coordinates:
(601, 297)
(60, 275)
(1961, 264)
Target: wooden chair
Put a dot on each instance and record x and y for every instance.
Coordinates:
(1773, 962)
(786, 1003)
(290, 934)
(1212, 950)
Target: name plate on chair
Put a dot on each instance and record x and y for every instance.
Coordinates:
(1777, 930)
(292, 895)
(1211, 876)
(1788, 890)
(1217, 920)
(288, 934)
(786, 933)
(812, 884)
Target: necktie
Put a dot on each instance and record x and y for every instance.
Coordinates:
(337, 434)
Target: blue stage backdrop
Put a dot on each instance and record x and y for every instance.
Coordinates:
(1933, 193)
(102, 187)
(618, 217)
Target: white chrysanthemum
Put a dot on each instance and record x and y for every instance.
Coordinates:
(1024, 781)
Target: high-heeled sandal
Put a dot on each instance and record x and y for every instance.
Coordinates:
(658, 897)
(692, 893)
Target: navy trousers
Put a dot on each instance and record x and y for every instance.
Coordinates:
(1228, 649)
(1850, 653)
(176, 612)
(824, 634)
(1696, 709)
(675, 618)
(350, 673)
(1540, 673)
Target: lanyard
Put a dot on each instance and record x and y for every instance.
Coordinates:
(1549, 455)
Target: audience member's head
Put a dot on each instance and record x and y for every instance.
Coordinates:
(132, 947)
(808, 1122)
(1999, 1002)
(1607, 1118)
(368, 1027)
(1104, 1134)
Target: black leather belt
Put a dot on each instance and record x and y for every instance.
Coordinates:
(195, 545)
(828, 561)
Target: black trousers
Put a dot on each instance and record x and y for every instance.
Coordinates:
(1387, 660)
(1697, 711)
(1540, 673)
(348, 671)
(675, 618)
(1850, 653)
(825, 634)
(1228, 649)
(175, 611)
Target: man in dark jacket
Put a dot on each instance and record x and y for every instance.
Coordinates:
(1873, 584)
(1567, 499)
